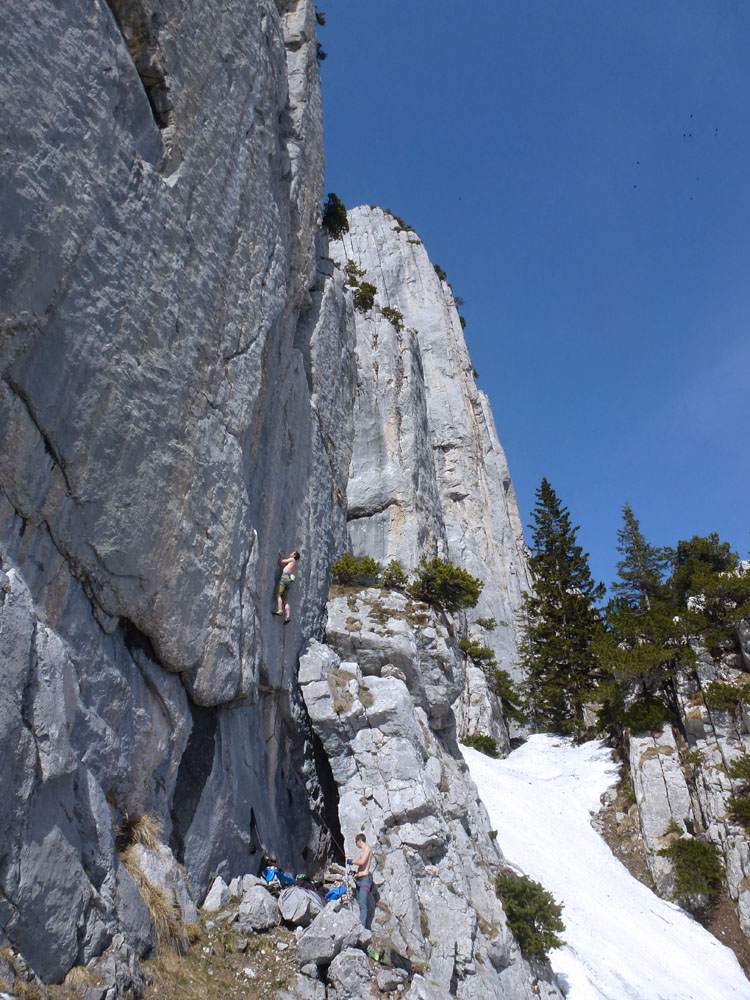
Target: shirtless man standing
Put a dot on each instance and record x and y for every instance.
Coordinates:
(288, 566)
(363, 864)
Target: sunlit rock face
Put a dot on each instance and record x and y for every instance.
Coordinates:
(175, 408)
(379, 696)
(683, 786)
(428, 475)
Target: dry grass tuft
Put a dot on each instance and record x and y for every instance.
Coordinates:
(192, 933)
(142, 829)
(162, 904)
(26, 991)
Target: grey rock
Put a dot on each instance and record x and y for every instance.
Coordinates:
(133, 915)
(717, 738)
(400, 778)
(663, 799)
(299, 906)
(349, 972)
(219, 895)
(159, 867)
(303, 988)
(259, 911)
(331, 932)
(168, 370)
(429, 476)
(390, 979)
(424, 989)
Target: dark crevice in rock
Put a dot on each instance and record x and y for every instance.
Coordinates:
(19, 392)
(329, 813)
(194, 771)
(137, 641)
(356, 513)
(140, 29)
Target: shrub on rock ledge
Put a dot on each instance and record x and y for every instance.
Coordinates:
(445, 585)
(393, 576)
(533, 915)
(698, 870)
(350, 571)
(484, 744)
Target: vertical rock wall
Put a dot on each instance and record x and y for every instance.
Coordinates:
(175, 408)
(428, 474)
(379, 696)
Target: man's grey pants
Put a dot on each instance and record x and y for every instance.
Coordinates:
(364, 888)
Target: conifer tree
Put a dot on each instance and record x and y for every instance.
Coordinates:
(645, 640)
(641, 568)
(560, 622)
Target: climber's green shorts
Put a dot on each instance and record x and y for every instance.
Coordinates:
(287, 579)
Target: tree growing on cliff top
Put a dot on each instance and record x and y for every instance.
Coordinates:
(335, 221)
(560, 623)
(443, 584)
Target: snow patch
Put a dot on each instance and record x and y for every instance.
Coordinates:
(621, 941)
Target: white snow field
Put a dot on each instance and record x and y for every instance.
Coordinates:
(621, 941)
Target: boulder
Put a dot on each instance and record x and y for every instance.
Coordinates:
(218, 896)
(299, 906)
(330, 933)
(389, 980)
(159, 867)
(303, 988)
(350, 971)
(423, 989)
(259, 911)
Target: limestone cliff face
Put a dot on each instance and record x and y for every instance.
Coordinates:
(379, 696)
(428, 474)
(177, 405)
(166, 427)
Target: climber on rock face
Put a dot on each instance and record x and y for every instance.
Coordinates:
(288, 566)
(363, 864)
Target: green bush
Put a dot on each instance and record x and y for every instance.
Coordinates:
(353, 273)
(440, 272)
(476, 653)
(740, 769)
(492, 834)
(698, 869)
(349, 570)
(510, 697)
(484, 744)
(645, 716)
(533, 915)
(320, 53)
(724, 697)
(394, 317)
(445, 585)
(364, 296)
(739, 810)
(402, 227)
(393, 577)
(487, 623)
(335, 221)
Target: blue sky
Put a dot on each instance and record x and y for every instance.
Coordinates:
(581, 170)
